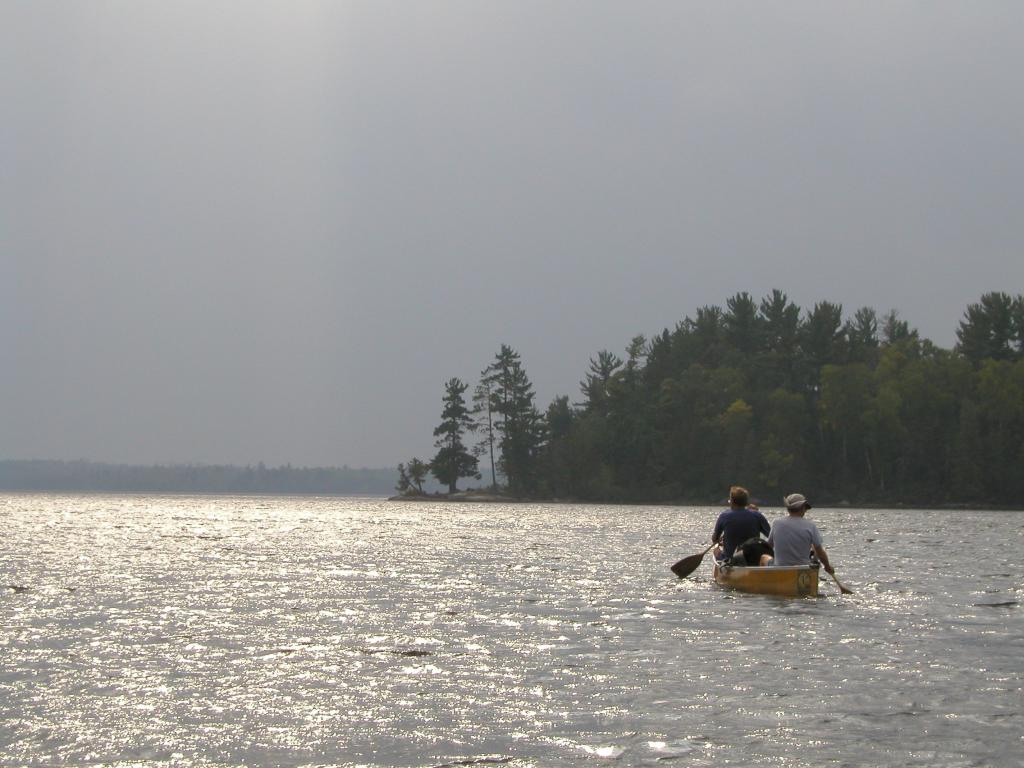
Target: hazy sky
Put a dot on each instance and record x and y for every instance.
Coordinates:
(243, 231)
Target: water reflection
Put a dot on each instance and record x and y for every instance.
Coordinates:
(200, 631)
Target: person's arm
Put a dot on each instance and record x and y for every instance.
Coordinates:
(823, 557)
(716, 536)
(766, 528)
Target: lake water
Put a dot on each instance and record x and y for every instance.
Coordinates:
(198, 631)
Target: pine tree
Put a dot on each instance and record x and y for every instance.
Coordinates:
(988, 330)
(742, 325)
(483, 413)
(519, 424)
(862, 335)
(780, 325)
(453, 460)
(595, 386)
(823, 337)
(417, 471)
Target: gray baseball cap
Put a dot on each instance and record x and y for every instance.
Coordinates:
(796, 501)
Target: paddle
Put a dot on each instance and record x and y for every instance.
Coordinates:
(839, 584)
(688, 565)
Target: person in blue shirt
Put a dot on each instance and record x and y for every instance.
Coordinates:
(737, 524)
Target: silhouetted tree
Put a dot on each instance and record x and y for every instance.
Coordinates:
(453, 460)
(483, 415)
(595, 385)
(989, 329)
(780, 324)
(862, 336)
(742, 326)
(519, 424)
(822, 337)
(417, 471)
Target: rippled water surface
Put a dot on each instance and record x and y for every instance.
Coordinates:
(291, 631)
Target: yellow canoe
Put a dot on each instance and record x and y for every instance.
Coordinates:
(784, 580)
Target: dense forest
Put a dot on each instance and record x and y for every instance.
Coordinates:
(856, 409)
(189, 478)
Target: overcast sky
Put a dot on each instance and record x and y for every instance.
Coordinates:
(242, 231)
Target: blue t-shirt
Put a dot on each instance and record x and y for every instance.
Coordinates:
(736, 526)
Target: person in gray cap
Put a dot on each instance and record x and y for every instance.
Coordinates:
(794, 537)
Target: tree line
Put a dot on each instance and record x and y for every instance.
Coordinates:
(762, 393)
(90, 476)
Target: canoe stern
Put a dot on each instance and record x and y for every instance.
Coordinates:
(785, 581)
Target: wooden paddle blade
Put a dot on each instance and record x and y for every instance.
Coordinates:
(842, 589)
(687, 565)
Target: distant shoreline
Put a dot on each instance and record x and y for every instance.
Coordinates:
(469, 497)
(49, 476)
(473, 498)
(211, 494)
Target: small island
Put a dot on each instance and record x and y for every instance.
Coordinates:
(854, 410)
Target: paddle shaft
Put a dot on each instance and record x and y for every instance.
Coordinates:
(843, 590)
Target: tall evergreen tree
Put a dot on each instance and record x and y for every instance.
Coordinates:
(519, 423)
(556, 456)
(822, 337)
(629, 425)
(742, 326)
(659, 361)
(707, 333)
(987, 331)
(453, 460)
(595, 385)
(483, 415)
(862, 335)
(780, 325)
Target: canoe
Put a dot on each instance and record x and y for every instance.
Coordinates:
(784, 580)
